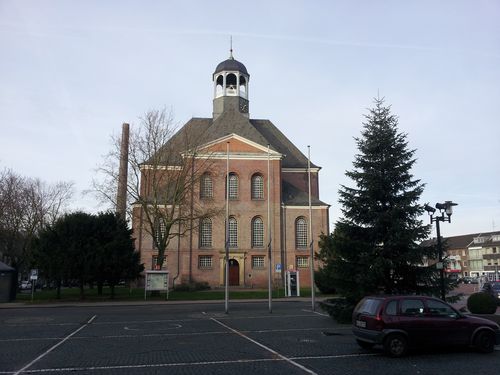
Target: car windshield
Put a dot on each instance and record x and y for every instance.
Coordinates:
(368, 306)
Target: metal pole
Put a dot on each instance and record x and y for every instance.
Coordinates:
(440, 257)
(311, 244)
(270, 265)
(226, 276)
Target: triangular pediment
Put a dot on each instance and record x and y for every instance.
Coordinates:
(237, 145)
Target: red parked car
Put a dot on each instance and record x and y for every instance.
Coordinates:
(400, 322)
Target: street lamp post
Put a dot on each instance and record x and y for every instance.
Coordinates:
(446, 207)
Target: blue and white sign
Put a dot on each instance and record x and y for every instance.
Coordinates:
(277, 267)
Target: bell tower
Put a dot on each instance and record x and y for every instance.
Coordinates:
(230, 87)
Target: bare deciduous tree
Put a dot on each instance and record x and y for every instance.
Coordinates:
(164, 168)
(26, 205)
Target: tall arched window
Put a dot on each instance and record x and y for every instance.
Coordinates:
(257, 232)
(206, 233)
(233, 186)
(206, 186)
(233, 232)
(301, 233)
(257, 186)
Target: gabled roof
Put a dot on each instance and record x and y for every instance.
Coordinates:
(262, 132)
(467, 240)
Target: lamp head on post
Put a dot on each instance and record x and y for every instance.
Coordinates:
(446, 207)
(430, 210)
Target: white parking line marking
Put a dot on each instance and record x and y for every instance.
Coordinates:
(339, 356)
(266, 348)
(157, 365)
(54, 346)
(173, 326)
(180, 364)
(315, 312)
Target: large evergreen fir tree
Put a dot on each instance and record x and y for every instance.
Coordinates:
(375, 247)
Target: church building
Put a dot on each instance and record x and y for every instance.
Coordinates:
(260, 181)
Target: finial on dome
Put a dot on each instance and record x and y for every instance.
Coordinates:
(231, 47)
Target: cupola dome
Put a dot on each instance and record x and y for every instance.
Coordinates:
(230, 87)
(231, 65)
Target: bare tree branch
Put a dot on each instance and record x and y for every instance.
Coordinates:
(164, 169)
(26, 206)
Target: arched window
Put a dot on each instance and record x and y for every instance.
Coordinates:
(301, 233)
(206, 186)
(257, 186)
(219, 83)
(257, 232)
(231, 84)
(233, 232)
(206, 233)
(233, 186)
(243, 86)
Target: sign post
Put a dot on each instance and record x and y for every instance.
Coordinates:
(156, 281)
(33, 279)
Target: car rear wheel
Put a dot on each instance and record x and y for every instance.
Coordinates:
(364, 344)
(484, 342)
(396, 345)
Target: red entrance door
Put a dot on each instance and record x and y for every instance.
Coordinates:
(234, 272)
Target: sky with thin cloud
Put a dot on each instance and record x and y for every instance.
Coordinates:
(71, 72)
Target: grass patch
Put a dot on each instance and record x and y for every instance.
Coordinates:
(124, 294)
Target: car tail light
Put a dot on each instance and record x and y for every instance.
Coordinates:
(379, 323)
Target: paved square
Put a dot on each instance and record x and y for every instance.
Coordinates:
(199, 338)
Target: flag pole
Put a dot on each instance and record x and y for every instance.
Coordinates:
(270, 263)
(311, 244)
(226, 273)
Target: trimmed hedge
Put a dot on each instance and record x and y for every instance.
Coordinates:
(481, 303)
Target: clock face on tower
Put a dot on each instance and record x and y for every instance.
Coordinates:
(243, 105)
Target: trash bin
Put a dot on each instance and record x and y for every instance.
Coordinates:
(8, 278)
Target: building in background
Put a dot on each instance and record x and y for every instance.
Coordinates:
(475, 255)
(268, 192)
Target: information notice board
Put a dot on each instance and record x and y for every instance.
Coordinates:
(156, 281)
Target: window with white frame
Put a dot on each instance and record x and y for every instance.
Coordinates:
(206, 233)
(258, 261)
(301, 233)
(302, 261)
(257, 232)
(206, 186)
(479, 239)
(233, 186)
(233, 232)
(205, 261)
(476, 265)
(257, 186)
